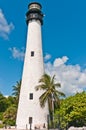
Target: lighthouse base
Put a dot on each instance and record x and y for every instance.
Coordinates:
(33, 127)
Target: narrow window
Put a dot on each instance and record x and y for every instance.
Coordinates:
(30, 120)
(31, 96)
(32, 53)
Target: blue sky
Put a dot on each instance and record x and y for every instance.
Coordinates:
(64, 42)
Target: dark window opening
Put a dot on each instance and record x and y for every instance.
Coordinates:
(31, 96)
(30, 120)
(32, 53)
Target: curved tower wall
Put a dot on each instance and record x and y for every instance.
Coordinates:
(30, 115)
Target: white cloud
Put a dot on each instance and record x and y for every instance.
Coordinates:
(71, 77)
(17, 53)
(5, 28)
(60, 61)
(47, 57)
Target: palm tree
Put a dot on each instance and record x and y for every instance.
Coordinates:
(51, 93)
(16, 90)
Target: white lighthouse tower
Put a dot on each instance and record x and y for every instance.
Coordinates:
(30, 115)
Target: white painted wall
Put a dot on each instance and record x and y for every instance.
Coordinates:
(32, 72)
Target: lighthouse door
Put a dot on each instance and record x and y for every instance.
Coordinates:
(30, 122)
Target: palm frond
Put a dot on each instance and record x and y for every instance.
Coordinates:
(51, 88)
(40, 87)
(16, 90)
(60, 93)
(45, 79)
(52, 79)
(43, 99)
(57, 85)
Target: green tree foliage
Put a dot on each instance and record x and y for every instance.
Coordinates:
(51, 93)
(72, 111)
(8, 106)
(11, 100)
(16, 91)
(9, 116)
(3, 103)
(1, 115)
(8, 109)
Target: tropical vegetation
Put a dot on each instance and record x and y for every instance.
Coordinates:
(16, 91)
(51, 94)
(8, 106)
(72, 111)
(68, 111)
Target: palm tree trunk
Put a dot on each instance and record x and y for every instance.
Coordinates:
(52, 111)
